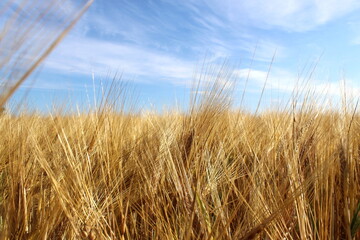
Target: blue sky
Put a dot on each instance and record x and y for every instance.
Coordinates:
(159, 44)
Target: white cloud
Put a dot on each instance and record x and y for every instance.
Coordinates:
(143, 58)
(288, 82)
(291, 15)
(86, 55)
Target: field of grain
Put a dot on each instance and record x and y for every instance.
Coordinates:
(209, 173)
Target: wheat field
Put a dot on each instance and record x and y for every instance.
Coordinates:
(208, 172)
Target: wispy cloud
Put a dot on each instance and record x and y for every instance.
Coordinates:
(163, 40)
(85, 55)
(292, 15)
(164, 43)
(290, 82)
